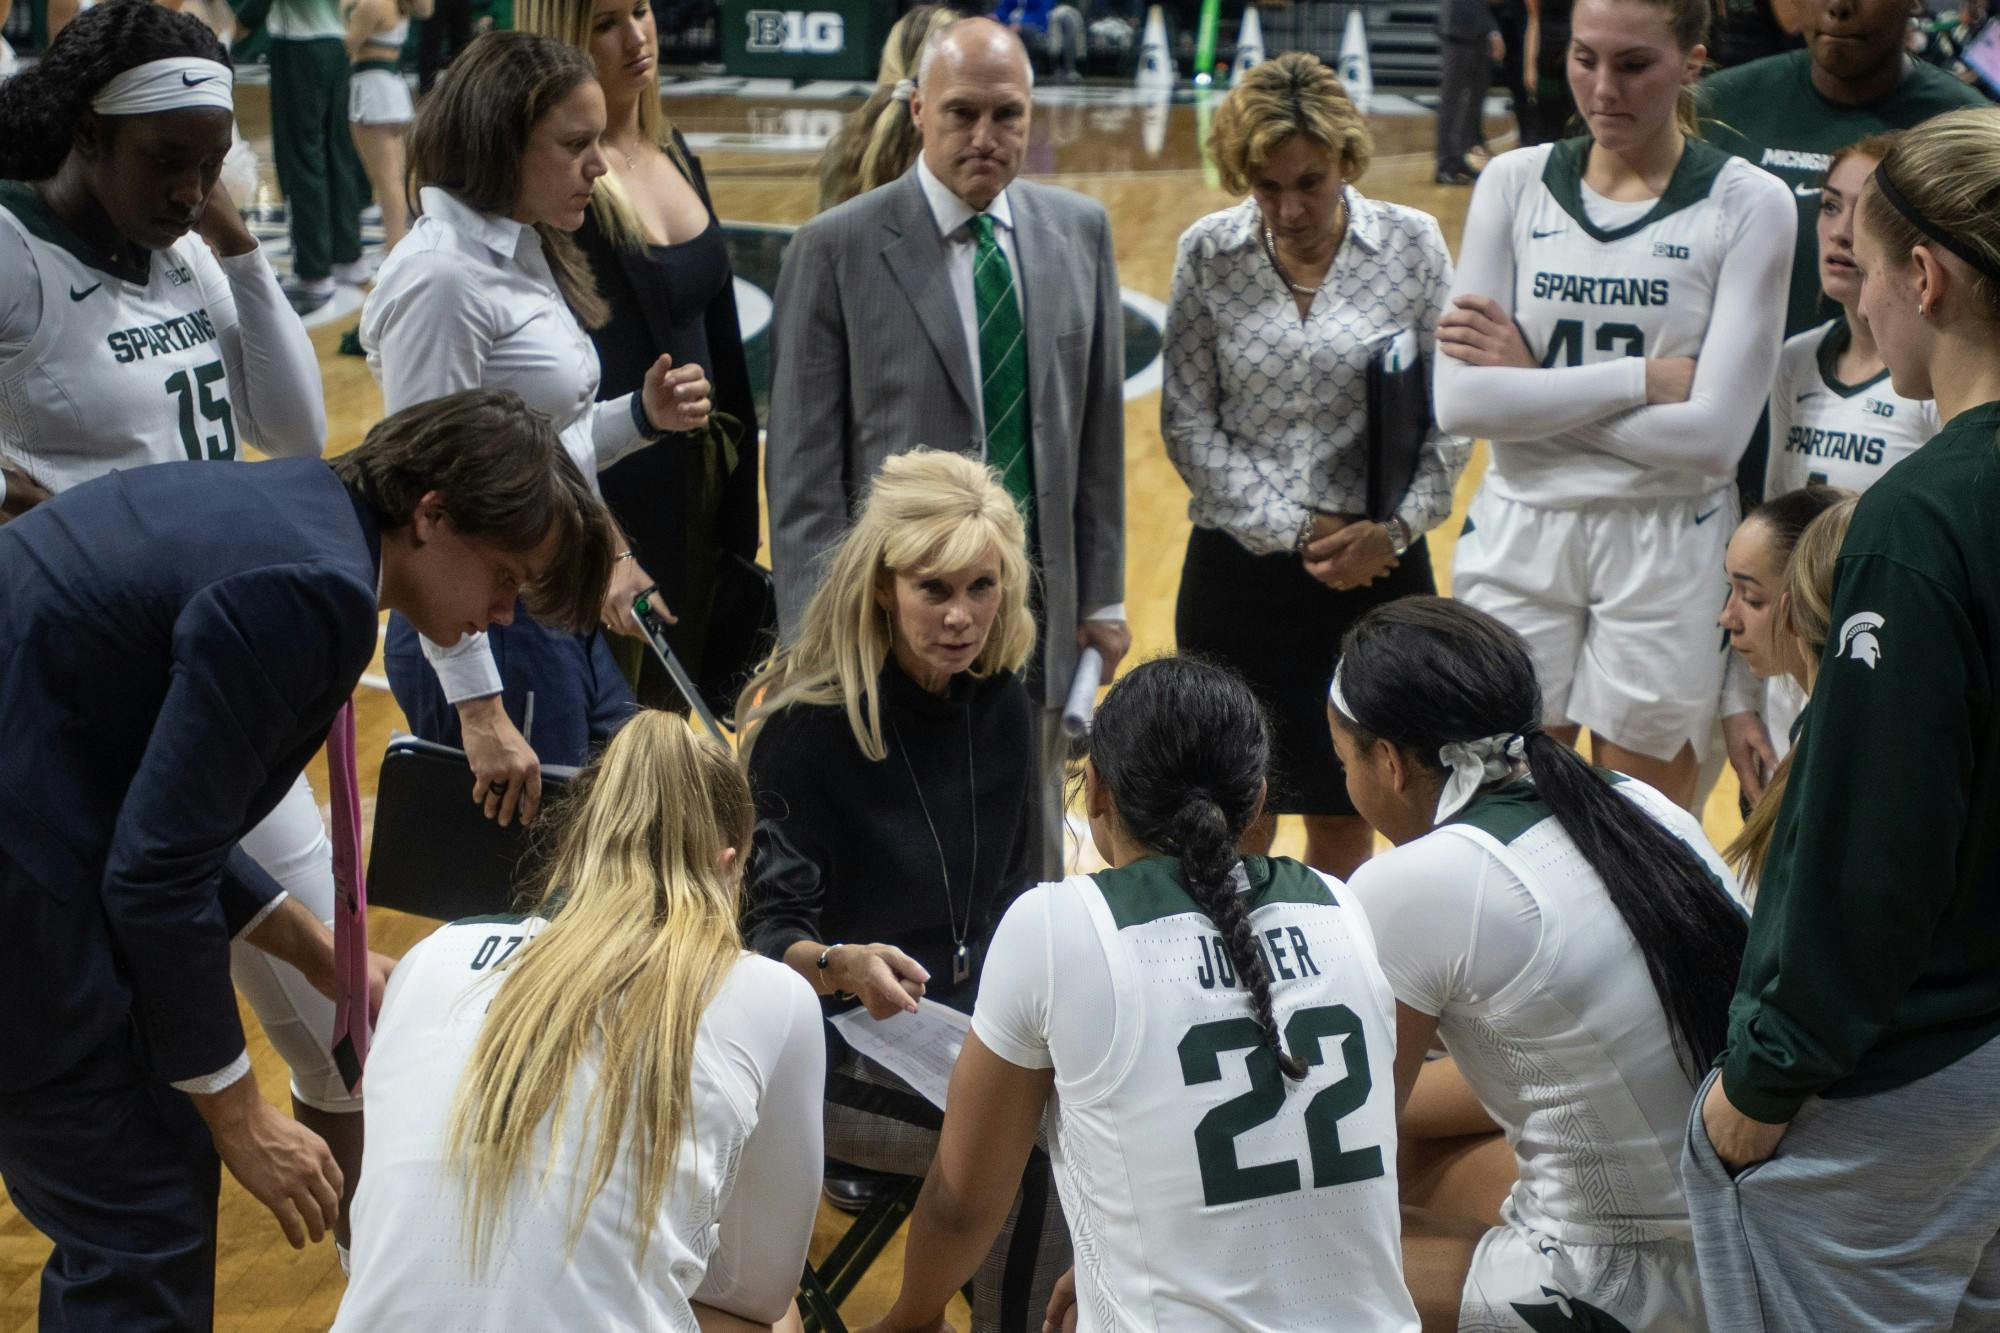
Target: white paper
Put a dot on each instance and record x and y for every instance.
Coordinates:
(1082, 701)
(918, 1048)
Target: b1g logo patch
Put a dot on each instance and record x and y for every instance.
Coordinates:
(1858, 641)
(1668, 250)
(793, 32)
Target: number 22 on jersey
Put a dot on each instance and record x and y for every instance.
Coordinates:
(1225, 1178)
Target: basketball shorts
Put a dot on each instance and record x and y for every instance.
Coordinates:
(1522, 1281)
(1618, 603)
(292, 846)
(379, 97)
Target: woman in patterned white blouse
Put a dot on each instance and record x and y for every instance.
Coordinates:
(1277, 304)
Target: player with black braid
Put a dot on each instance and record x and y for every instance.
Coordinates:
(1186, 973)
(1571, 937)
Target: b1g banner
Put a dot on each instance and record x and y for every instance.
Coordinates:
(803, 39)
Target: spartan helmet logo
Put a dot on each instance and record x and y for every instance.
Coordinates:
(1858, 641)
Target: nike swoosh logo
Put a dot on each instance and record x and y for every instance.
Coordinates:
(1703, 518)
(1807, 394)
(76, 295)
(1543, 235)
(1805, 191)
(195, 81)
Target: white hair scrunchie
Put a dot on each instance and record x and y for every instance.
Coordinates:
(1472, 764)
(175, 83)
(901, 92)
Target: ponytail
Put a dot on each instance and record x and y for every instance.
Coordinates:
(1425, 673)
(1183, 748)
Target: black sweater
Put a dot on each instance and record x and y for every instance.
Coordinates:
(843, 853)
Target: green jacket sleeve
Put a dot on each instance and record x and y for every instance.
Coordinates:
(1863, 859)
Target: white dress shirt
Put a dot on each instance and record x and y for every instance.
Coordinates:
(961, 254)
(1265, 413)
(465, 301)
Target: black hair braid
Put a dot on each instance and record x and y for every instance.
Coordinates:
(40, 106)
(1184, 748)
(1207, 855)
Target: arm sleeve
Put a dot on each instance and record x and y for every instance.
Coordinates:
(1862, 867)
(1428, 502)
(615, 431)
(20, 294)
(1777, 425)
(806, 442)
(786, 879)
(768, 1220)
(433, 332)
(1100, 484)
(1012, 1013)
(273, 372)
(1405, 894)
(232, 712)
(1191, 389)
(1506, 402)
(1739, 353)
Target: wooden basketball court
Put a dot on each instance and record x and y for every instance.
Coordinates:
(1144, 162)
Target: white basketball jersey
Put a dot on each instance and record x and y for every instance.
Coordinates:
(1204, 1189)
(1585, 293)
(1573, 1058)
(1825, 432)
(126, 367)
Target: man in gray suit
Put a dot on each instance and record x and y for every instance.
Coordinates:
(963, 309)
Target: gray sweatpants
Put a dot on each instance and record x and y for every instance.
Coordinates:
(1877, 1213)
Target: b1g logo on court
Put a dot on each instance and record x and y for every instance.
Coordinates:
(793, 32)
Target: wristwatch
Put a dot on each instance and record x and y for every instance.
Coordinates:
(1400, 537)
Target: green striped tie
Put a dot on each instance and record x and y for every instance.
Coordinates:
(1003, 365)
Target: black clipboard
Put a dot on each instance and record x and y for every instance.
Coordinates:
(656, 638)
(434, 852)
(1399, 419)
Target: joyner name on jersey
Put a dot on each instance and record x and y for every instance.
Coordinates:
(1286, 953)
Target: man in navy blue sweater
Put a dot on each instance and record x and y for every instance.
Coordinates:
(174, 643)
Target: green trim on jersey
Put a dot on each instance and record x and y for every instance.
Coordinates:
(20, 199)
(1694, 175)
(1150, 889)
(1505, 813)
(1828, 355)
(496, 919)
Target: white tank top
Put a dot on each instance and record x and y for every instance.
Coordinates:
(1203, 1189)
(111, 351)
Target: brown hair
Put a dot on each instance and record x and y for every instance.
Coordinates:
(878, 141)
(1687, 25)
(1808, 594)
(470, 132)
(1949, 170)
(504, 478)
(1292, 94)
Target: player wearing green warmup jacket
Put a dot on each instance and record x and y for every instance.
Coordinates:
(1862, 1032)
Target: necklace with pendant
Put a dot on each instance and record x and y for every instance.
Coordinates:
(961, 954)
(1271, 251)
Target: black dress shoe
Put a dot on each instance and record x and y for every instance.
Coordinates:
(851, 1189)
(1455, 176)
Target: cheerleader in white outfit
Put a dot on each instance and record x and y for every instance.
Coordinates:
(379, 107)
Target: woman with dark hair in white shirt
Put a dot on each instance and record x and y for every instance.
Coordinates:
(489, 290)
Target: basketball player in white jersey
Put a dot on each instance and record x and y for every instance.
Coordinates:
(1218, 1038)
(603, 1115)
(140, 323)
(1571, 937)
(1618, 313)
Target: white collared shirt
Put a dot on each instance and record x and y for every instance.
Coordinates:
(961, 252)
(465, 301)
(1265, 413)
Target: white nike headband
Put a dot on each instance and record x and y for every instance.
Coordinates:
(1471, 764)
(173, 84)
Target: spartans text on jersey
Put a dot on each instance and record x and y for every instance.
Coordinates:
(1586, 290)
(174, 335)
(1846, 446)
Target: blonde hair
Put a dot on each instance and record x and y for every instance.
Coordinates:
(642, 933)
(568, 21)
(1949, 169)
(878, 140)
(1292, 94)
(927, 512)
(1808, 595)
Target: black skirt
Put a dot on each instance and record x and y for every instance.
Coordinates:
(1280, 628)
